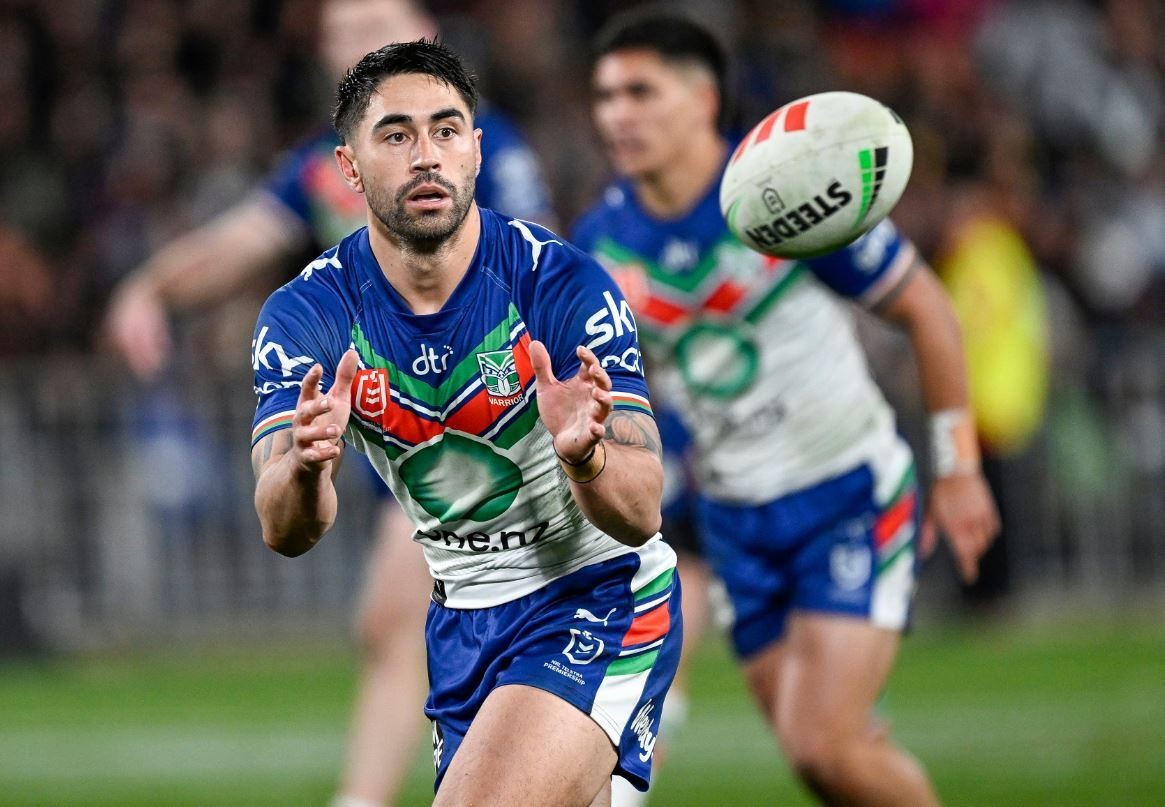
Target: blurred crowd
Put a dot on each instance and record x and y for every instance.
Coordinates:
(1038, 189)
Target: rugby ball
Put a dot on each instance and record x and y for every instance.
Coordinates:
(816, 174)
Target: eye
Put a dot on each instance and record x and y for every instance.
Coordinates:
(395, 137)
(446, 131)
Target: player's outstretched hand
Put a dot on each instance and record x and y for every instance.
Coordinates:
(138, 327)
(320, 419)
(962, 509)
(575, 410)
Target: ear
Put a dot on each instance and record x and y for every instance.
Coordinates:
(477, 150)
(346, 159)
(710, 101)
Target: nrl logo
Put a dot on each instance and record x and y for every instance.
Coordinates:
(583, 647)
(499, 373)
(370, 395)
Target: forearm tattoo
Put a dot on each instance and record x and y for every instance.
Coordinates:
(633, 429)
(273, 445)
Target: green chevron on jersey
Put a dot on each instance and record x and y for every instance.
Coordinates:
(686, 282)
(468, 368)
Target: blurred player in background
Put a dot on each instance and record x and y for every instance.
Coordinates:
(305, 203)
(808, 499)
(531, 470)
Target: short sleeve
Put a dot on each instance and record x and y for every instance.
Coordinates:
(294, 332)
(577, 303)
(868, 269)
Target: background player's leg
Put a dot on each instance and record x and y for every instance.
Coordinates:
(528, 747)
(388, 720)
(696, 577)
(818, 688)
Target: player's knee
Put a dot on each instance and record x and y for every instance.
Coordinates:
(371, 634)
(818, 759)
(826, 764)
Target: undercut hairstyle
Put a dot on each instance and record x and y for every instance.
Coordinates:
(677, 39)
(423, 57)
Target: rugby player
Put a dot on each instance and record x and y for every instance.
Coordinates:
(808, 500)
(531, 468)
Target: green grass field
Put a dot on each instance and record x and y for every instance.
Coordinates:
(1055, 716)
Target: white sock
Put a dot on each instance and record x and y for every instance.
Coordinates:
(624, 794)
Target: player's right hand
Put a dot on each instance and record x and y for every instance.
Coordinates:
(962, 509)
(139, 330)
(320, 419)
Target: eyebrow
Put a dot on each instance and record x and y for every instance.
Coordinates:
(400, 117)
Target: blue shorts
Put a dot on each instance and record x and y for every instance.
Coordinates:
(830, 548)
(602, 638)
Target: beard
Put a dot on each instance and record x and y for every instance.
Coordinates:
(428, 228)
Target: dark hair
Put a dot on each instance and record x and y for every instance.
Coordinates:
(426, 57)
(675, 37)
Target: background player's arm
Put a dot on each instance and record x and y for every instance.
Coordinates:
(612, 458)
(960, 504)
(202, 267)
(294, 468)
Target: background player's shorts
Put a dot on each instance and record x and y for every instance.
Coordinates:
(828, 548)
(679, 488)
(604, 638)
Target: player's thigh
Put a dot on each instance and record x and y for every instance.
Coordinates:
(397, 584)
(526, 746)
(828, 675)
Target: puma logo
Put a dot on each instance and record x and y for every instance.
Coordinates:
(535, 244)
(583, 613)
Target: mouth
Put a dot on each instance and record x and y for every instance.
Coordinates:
(428, 196)
(624, 147)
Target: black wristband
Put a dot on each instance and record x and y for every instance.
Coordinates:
(590, 455)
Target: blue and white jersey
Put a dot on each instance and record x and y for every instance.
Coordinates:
(760, 353)
(444, 405)
(307, 183)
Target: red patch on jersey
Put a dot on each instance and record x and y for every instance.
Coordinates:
(370, 393)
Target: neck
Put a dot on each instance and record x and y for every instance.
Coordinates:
(424, 273)
(676, 188)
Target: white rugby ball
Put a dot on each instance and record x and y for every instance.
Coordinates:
(816, 174)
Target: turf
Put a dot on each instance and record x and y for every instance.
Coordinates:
(1002, 717)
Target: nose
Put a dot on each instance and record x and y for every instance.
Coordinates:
(615, 113)
(425, 156)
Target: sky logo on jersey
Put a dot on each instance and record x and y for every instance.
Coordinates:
(500, 375)
(371, 395)
(262, 353)
(621, 321)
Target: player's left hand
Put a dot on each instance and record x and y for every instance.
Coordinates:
(962, 509)
(575, 410)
